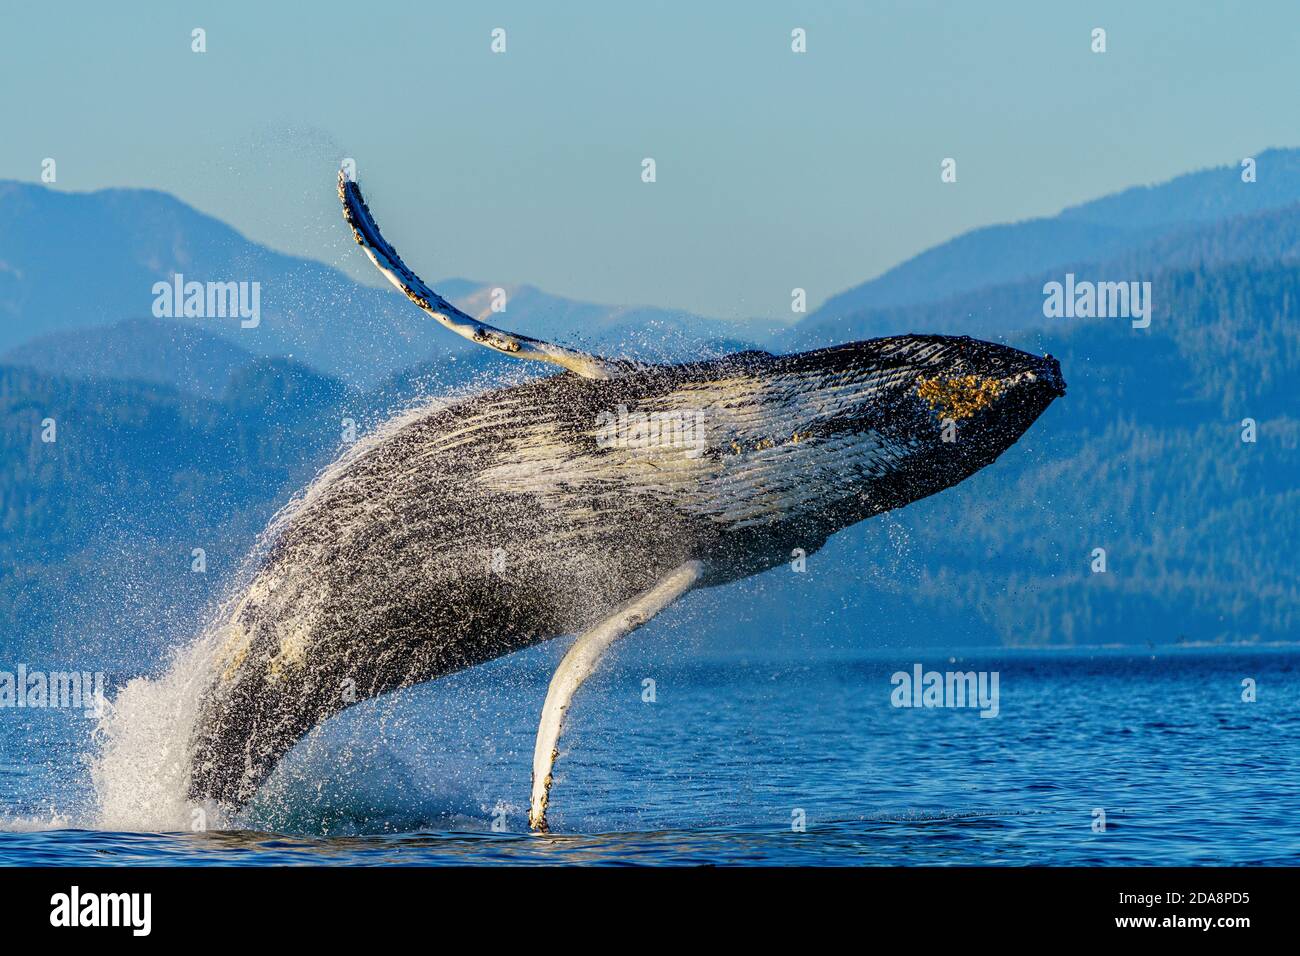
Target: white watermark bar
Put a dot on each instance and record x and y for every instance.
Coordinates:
(29, 688)
(208, 300)
(1085, 299)
(957, 689)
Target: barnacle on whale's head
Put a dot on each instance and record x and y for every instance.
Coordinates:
(959, 396)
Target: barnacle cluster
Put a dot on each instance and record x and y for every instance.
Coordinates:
(960, 396)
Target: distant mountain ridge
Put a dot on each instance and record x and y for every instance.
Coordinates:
(1014, 306)
(158, 351)
(1094, 231)
(76, 261)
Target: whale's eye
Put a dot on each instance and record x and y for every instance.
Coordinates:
(959, 396)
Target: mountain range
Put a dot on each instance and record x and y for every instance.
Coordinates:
(183, 434)
(73, 264)
(1102, 230)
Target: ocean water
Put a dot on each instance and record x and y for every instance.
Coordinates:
(722, 766)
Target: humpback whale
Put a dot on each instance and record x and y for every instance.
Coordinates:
(581, 503)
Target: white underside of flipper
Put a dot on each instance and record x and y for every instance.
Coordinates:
(366, 232)
(578, 665)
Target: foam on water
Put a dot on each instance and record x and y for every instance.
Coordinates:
(30, 824)
(141, 772)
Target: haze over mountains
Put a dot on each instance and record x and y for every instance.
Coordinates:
(72, 262)
(1016, 305)
(1097, 231)
(176, 434)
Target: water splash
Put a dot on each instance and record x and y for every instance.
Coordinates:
(141, 771)
(141, 758)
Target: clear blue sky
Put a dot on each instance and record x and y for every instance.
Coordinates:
(775, 170)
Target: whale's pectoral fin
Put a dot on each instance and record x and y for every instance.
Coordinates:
(366, 232)
(577, 666)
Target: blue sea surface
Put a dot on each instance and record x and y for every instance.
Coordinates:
(732, 755)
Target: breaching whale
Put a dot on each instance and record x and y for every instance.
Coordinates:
(581, 503)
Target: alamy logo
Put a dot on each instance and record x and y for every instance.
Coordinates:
(75, 908)
(922, 688)
(676, 429)
(208, 300)
(69, 690)
(1100, 300)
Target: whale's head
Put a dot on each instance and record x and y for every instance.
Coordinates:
(844, 433)
(913, 414)
(981, 396)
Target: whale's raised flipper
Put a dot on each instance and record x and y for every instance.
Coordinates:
(366, 232)
(577, 666)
